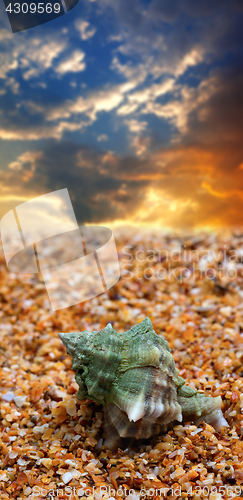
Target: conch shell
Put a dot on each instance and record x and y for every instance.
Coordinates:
(133, 375)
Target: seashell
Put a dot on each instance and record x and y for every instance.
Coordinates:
(133, 375)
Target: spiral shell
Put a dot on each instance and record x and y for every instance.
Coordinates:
(133, 374)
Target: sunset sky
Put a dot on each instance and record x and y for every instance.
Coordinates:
(134, 106)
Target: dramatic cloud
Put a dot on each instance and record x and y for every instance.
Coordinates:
(30, 60)
(135, 107)
(135, 126)
(73, 63)
(86, 31)
(102, 137)
(26, 159)
(141, 145)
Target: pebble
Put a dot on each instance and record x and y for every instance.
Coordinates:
(8, 396)
(67, 477)
(226, 311)
(20, 401)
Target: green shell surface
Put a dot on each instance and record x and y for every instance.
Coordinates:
(133, 374)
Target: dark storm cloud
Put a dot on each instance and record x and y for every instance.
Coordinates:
(214, 24)
(219, 120)
(94, 179)
(166, 10)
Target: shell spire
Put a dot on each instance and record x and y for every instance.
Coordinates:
(133, 374)
(70, 340)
